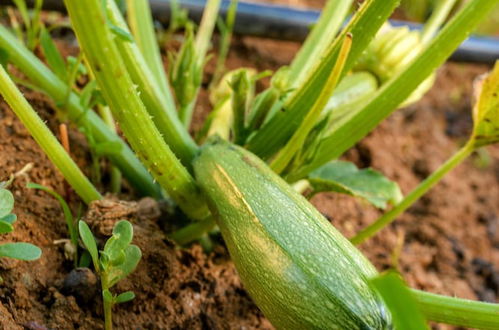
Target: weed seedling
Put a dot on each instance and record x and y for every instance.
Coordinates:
(72, 249)
(18, 250)
(118, 259)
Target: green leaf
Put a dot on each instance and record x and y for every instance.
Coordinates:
(23, 11)
(185, 74)
(87, 93)
(20, 251)
(5, 227)
(107, 296)
(344, 177)
(117, 273)
(242, 84)
(10, 218)
(120, 33)
(122, 237)
(6, 202)
(400, 301)
(486, 110)
(85, 259)
(52, 55)
(4, 57)
(270, 101)
(75, 67)
(124, 297)
(89, 241)
(104, 261)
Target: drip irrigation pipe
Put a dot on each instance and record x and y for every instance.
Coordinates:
(290, 23)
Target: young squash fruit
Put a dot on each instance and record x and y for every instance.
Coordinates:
(300, 271)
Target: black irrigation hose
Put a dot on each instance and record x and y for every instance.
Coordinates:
(288, 23)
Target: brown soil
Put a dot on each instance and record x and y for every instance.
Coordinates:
(448, 241)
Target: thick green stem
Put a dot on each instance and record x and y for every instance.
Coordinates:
(298, 139)
(107, 303)
(322, 34)
(206, 28)
(456, 311)
(414, 195)
(90, 24)
(202, 42)
(36, 71)
(226, 36)
(47, 141)
(437, 18)
(108, 315)
(142, 26)
(158, 104)
(193, 231)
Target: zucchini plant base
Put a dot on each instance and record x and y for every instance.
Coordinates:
(442, 253)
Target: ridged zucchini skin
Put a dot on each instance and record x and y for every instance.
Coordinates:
(300, 271)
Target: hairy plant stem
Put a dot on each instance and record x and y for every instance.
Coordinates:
(159, 105)
(414, 195)
(107, 116)
(47, 141)
(142, 26)
(456, 311)
(202, 41)
(46, 80)
(91, 27)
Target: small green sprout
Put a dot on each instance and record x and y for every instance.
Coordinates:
(118, 259)
(186, 75)
(20, 251)
(31, 22)
(72, 248)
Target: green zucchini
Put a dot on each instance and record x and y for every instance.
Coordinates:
(300, 271)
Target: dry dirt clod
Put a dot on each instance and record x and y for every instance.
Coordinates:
(148, 209)
(103, 214)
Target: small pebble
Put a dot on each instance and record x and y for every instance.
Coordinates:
(34, 326)
(80, 283)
